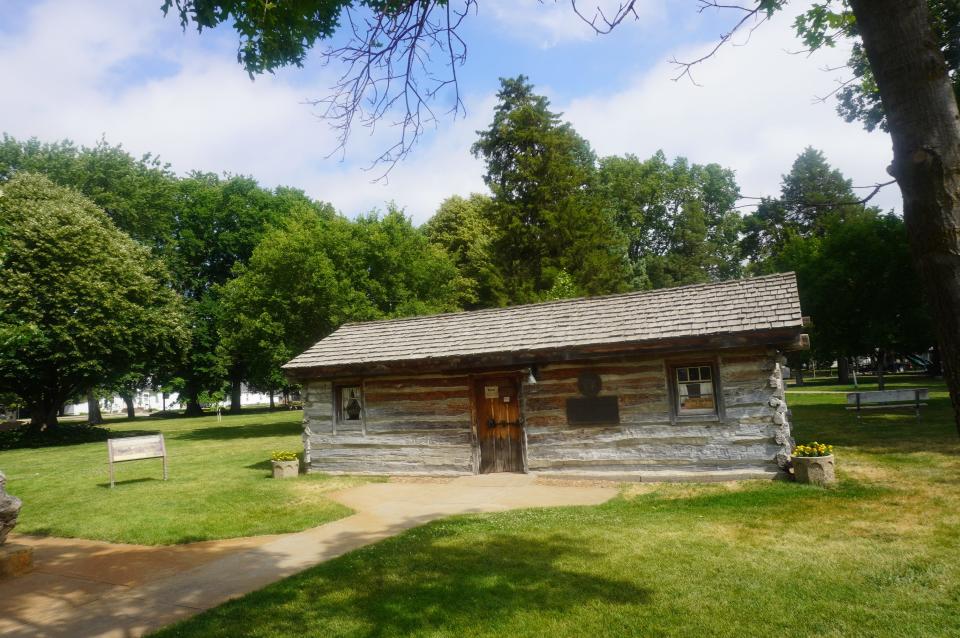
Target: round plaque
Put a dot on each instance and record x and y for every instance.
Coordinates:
(589, 384)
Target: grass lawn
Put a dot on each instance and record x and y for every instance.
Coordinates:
(877, 556)
(219, 485)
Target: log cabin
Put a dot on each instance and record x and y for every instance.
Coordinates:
(673, 384)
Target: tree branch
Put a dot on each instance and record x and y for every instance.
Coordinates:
(863, 201)
(389, 72)
(756, 13)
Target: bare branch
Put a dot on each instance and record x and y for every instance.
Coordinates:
(863, 201)
(599, 21)
(820, 99)
(388, 72)
(755, 13)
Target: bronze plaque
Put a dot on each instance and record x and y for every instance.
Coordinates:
(593, 411)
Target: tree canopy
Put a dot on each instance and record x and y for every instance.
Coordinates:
(74, 317)
(858, 286)
(137, 194)
(464, 229)
(853, 266)
(314, 272)
(548, 219)
(812, 195)
(679, 219)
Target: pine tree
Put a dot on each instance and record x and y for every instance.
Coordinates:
(548, 219)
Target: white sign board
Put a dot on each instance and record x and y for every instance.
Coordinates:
(491, 391)
(135, 448)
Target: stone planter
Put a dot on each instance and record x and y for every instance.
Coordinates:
(816, 470)
(286, 469)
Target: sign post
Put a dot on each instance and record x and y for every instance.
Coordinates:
(135, 448)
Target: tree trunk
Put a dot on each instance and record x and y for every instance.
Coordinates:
(93, 409)
(193, 403)
(271, 399)
(936, 367)
(924, 123)
(236, 395)
(131, 410)
(43, 415)
(881, 368)
(798, 374)
(843, 370)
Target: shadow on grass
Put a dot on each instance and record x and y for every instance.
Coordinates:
(180, 414)
(64, 435)
(145, 479)
(250, 430)
(426, 583)
(266, 466)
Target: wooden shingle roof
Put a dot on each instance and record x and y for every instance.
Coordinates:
(757, 307)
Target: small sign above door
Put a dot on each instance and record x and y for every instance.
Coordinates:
(491, 391)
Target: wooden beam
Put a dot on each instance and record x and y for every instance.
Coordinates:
(802, 342)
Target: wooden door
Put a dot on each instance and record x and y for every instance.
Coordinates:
(499, 426)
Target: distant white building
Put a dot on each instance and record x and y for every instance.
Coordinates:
(153, 401)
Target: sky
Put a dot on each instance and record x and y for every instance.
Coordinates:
(119, 69)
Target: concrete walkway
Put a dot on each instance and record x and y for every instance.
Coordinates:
(89, 589)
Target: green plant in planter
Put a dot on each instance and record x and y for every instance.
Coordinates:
(284, 455)
(813, 449)
(814, 463)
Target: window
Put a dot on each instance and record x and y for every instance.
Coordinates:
(694, 389)
(349, 403)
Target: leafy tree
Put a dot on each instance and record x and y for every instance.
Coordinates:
(464, 230)
(399, 271)
(679, 219)
(316, 271)
(77, 316)
(563, 288)
(540, 172)
(137, 194)
(857, 283)
(812, 196)
(218, 224)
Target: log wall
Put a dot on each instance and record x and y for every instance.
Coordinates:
(749, 437)
(410, 425)
(423, 424)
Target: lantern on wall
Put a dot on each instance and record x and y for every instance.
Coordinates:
(353, 407)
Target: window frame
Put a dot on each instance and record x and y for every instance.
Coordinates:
(338, 415)
(673, 384)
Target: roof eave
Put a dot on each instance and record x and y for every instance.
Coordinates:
(786, 339)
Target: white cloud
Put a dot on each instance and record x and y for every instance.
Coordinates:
(755, 112)
(204, 112)
(200, 111)
(548, 23)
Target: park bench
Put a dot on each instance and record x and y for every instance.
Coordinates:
(887, 399)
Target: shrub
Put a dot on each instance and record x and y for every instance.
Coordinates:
(284, 455)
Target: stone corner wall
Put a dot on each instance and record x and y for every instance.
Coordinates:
(778, 401)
